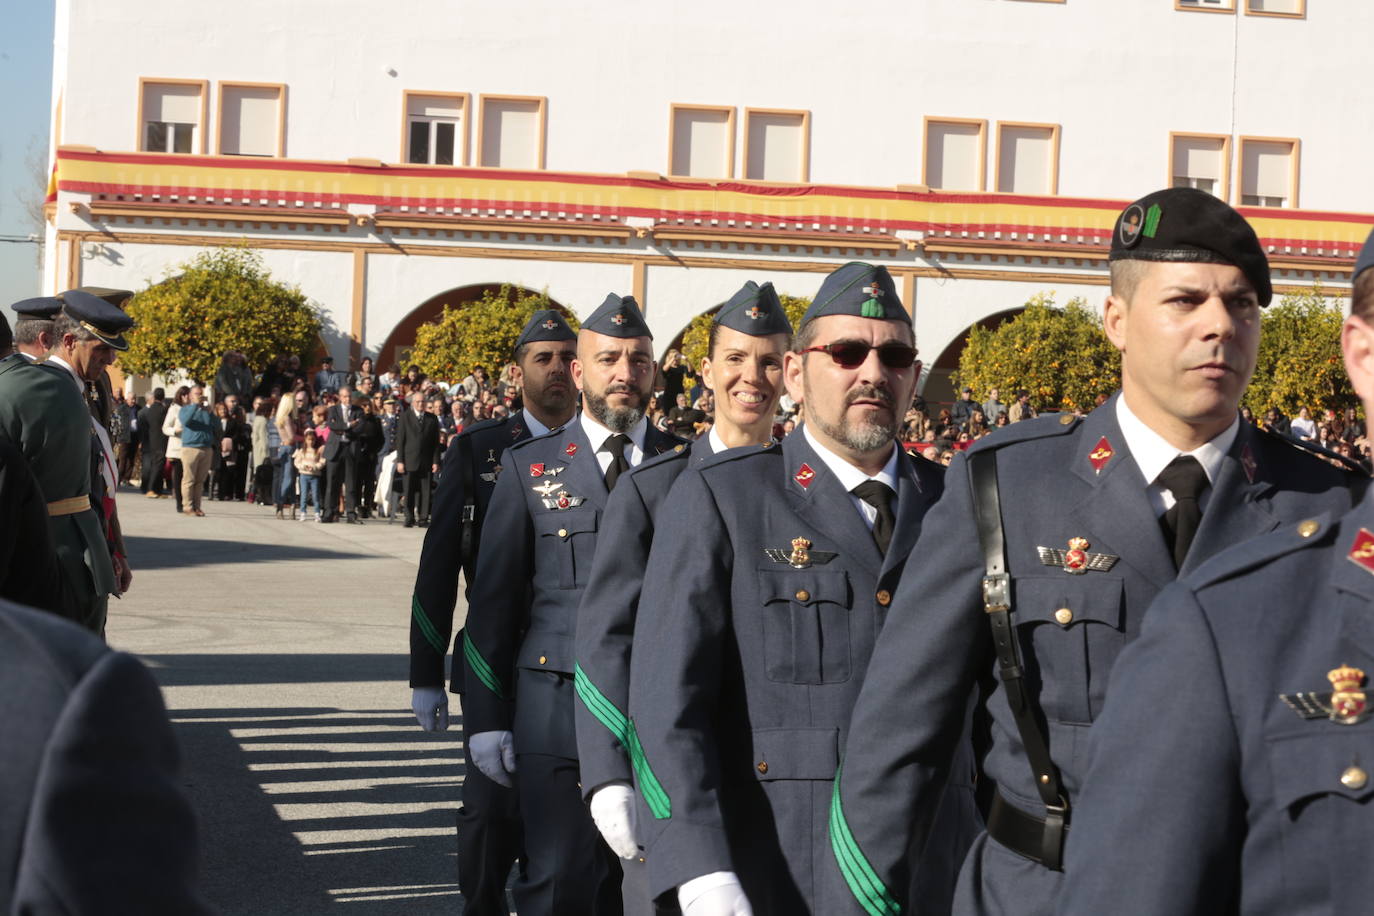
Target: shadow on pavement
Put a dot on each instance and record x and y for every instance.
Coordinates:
(203, 670)
(178, 553)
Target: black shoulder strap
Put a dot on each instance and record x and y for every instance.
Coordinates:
(468, 545)
(987, 509)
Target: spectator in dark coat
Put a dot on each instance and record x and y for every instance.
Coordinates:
(152, 441)
(417, 458)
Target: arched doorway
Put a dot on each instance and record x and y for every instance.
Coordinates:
(939, 390)
(399, 342)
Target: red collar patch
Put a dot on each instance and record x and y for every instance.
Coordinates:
(537, 470)
(804, 476)
(1362, 551)
(1248, 463)
(1101, 454)
(571, 449)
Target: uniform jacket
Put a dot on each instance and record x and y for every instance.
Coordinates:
(343, 428)
(512, 628)
(29, 571)
(1236, 803)
(746, 667)
(930, 660)
(469, 471)
(92, 817)
(606, 617)
(417, 440)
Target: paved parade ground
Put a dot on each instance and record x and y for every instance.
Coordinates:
(281, 648)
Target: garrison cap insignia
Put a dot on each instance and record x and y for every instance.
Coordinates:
(1076, 560)
(1132, 221)
(801, 555)
(1362, 551)
(1345, 705)
(1248, 463)
(549, 325)
(571, 449)
(619, 318)
(563, 501)
(804, 476)
(754, 313)
(1101, 454)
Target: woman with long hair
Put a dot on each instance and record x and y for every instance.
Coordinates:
(171, 427)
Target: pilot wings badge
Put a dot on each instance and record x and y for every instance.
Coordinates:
(1345, 705)
(801, 556)
(1076, 560)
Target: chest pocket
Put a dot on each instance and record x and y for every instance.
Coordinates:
(1071, 632)
(571, 537)
(806, 625)
(1323, 783)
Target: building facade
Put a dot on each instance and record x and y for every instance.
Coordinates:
(391, 159)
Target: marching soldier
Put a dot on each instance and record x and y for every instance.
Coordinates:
(1248, 683)
(1051, 540)
(784, 562)
(748, 338)
(537, 548)
(489, 839)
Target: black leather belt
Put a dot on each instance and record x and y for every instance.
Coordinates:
(1025, 834)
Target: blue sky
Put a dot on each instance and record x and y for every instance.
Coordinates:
(25, 100)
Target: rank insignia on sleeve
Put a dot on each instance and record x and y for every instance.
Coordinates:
(571, 449)
(804, 476)
(1248, 463)
(1362, 551)
(1076, 560)
(563, 501)
(801, 555)
(1345, 705)
(1101, 454)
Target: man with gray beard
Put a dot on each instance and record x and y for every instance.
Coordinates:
(535, 559)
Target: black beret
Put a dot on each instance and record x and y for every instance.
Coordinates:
(754, 310)
(1362, 263)
(865, 290)
(40, 308)
(617, 317)
(1185, 224)
(545, 324)
(105, 321)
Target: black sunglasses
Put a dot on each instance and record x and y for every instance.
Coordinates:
(851, 354)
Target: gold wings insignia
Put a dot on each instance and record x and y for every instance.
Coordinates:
(808, 557)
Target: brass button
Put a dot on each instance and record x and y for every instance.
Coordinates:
(1354, 778)
(543, 659)
(1065, 419)
(562, 532)
(763, 766)
(884, 597)
(803, 595)
(1308, 528)
(1064, 616)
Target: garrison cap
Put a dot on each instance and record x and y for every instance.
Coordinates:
(865, 290)
(105, 321)
(116, 297)
(545, 324)
(40, 308)
(1362, 263)
(617, 317)
(1188, 225)
(754, 310)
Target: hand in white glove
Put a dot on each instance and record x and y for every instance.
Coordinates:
(613, 810)
(716, 894)
(431, 708)
(494, 754)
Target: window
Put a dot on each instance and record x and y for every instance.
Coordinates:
(171, 116)
(777, 144)
(1214, 6)
(436, 128)
(701, 142)
(1027, 158)
(1201, 161)
(1289, 9)
(1268, 172)
(955, 154)
(511, 133)
(252, 119)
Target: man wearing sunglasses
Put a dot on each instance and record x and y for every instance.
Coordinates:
(1036, 568)
(746, 667)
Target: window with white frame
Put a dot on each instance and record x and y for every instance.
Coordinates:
(955, 154)
(1027, 158)
(1289, 8)
(1218, 5)
(1200, 161)
(436, 129)
(250, 120)
(1268, 172)
(702, 141)
(512, 132)
(171, 115)
(775, 144)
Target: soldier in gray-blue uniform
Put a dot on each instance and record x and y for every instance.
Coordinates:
(748, 337)
(489, 840)
(1052, 538)
(783, 563)
(1231, 765)
(538, 542)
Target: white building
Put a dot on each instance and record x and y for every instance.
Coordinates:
(390, 158)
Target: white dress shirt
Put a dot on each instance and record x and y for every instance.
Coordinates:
(850, 476)
(597, 435)
(1152, 454)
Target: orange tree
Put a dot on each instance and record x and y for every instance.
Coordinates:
(478, 333)
(1299, 363)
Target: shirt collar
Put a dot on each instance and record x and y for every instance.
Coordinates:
(59, 361)
(848, 475)
(1152, 453)
(597, 434)
(715, 442)
(534, 426)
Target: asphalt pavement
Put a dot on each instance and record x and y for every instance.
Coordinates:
(281, 647)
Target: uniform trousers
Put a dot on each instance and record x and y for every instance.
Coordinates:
(489, 842)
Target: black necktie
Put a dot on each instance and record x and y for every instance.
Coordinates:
(616, 445)
(1186, 479)
(879, 495)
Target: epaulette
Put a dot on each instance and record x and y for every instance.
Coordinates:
(679, 452)
(1037, 428)
(1315, 450)
(737, 454)
(1260, 550)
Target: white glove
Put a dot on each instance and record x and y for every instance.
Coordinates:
(494, 754)
(716, 894)
(613, 810)
(431, 708)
